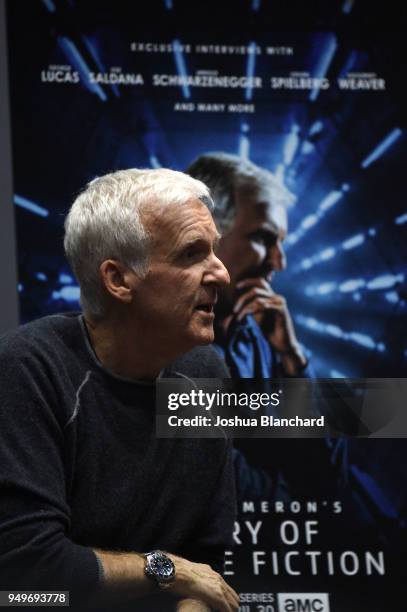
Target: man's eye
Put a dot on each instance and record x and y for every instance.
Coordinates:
(190, 253)
(265, 238)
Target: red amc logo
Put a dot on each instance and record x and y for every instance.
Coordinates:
(303, 602)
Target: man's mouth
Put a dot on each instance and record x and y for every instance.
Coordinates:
(205, 307)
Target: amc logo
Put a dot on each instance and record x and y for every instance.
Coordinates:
(303, 602)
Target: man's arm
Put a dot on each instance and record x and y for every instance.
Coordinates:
(199, 587)
(36, 551)
(192, 605)
(197, 584)
(272, 315)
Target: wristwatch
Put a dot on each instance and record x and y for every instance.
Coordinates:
(159, 567)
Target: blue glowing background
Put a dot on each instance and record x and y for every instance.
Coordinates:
(342, 153)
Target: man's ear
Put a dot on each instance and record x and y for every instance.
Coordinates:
(119, 280)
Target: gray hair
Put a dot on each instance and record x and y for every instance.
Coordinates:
(104, 222)
(225, 174)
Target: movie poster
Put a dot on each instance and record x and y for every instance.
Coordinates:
(97, 87)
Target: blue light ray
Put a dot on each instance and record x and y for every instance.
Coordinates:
(347, 6)
(325, 60)
(69, 294)
(244, 142)
(401, 219)
(309, 221)
(385, 281)
(256, 5)
(65, 279)
(50, 6)
(349, 64)
(337, 374)
(356, 337)
(316, 128)
(354, 286)
(323, 289)
(327, 254)
(244, 146)
(353, 242)
(168, 5)
(351, 285)
(307, 147)
(181, 68)
(333, 198)
(328, 202)
(326, 288)
(31, 206)
(291, 145)
(154, 163)
(77, 60)
(363, 340)
(280, 173)
(382, 147)
(251, 62)
(92, 50)
(392, 297)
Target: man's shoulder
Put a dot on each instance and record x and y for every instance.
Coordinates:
(41, 335)
(200, 362)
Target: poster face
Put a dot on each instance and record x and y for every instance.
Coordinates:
(97, 87)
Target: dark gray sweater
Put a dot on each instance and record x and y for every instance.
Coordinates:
(81, 468)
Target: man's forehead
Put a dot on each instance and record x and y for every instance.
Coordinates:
(186, 220)
(260, 209)
(164, 213)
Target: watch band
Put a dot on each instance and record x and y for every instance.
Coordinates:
(160, 568)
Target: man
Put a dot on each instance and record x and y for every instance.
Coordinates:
(86, 486)
(254, 328)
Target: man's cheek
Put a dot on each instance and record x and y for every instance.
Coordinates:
(257, 251)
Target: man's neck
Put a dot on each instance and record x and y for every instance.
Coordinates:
(123, 350)
(223, 312)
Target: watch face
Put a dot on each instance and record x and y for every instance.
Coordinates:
(162, 566)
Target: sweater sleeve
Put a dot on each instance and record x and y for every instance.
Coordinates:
(215, 534)
(35, 549)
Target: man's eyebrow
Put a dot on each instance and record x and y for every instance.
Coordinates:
(197, 240)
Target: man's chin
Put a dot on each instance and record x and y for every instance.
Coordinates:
(208, 338)
(204, 336)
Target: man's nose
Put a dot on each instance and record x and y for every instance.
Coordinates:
(276, 256)
(218, 272)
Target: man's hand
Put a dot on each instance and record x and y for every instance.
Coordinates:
(124, 573)
(192, 605)
(272, 315)
(199, 582)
